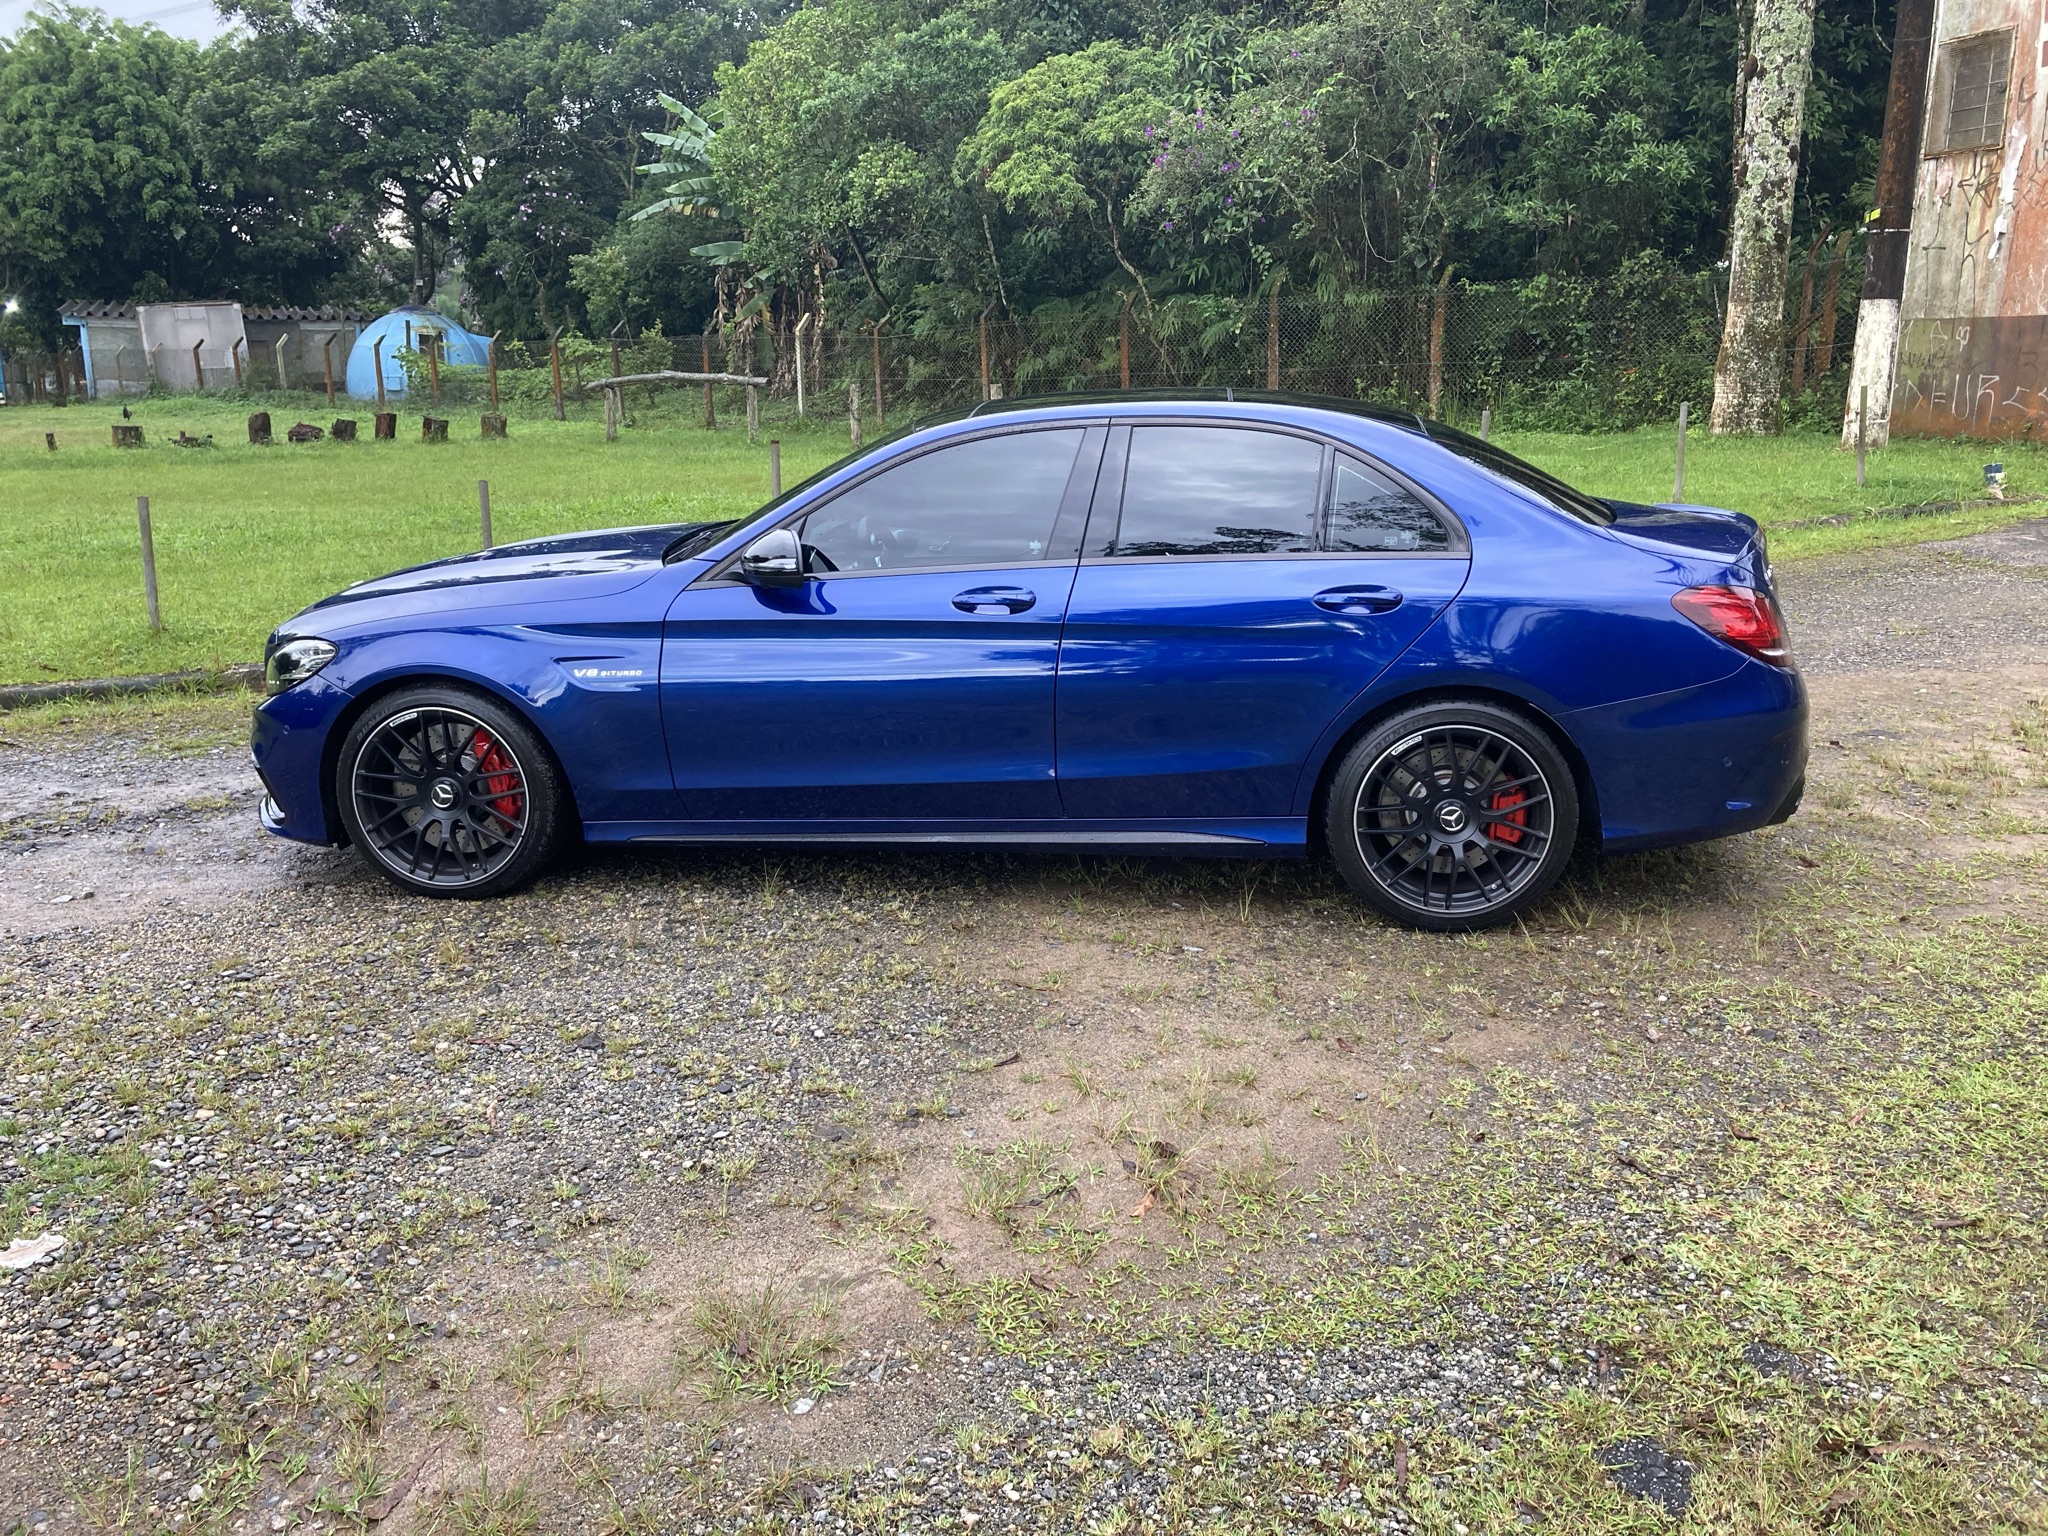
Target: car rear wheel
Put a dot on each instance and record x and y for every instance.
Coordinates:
(1453, 816)
(448, 793)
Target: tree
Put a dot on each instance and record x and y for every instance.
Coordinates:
(100, 190)
(1067, 139)
(1770, 98)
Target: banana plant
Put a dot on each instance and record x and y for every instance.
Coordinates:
(686, 155)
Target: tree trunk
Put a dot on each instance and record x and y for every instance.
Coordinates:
(1770, 84)
(1872, 367)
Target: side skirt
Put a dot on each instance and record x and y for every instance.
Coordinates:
(1259, 839)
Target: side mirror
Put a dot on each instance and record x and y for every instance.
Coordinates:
(776, 559)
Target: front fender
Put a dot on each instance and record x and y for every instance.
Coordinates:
(592, 691)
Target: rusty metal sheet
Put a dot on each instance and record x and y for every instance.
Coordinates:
(1982, 376)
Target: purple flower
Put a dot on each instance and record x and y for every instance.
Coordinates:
(1148, 130)
(1168, 224)
(1228, 201)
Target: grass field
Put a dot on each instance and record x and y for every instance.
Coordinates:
(245, 536)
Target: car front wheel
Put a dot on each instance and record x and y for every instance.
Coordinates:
(448, 793)
(1452, 816)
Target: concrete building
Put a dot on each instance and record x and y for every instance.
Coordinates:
(127, 348)
(1972, 333)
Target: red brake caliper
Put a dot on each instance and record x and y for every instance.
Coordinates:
(1515, 817)
(500, 780)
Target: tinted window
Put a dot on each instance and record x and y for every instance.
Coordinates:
(989, 502)
(1218, 491)
(1547, 488)
(1371, 514)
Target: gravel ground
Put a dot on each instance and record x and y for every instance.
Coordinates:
(300, 1132)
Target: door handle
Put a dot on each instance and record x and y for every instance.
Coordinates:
(1358, 600)
(995, 600)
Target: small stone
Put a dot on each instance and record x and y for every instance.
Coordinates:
(802, 1405)
(195, 1493)
(1653, 1034)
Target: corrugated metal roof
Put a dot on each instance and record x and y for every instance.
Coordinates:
(121, 309)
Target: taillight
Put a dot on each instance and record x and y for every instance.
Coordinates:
(1745, 618)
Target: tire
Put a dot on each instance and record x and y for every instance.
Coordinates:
(1452, 817)
(446, 792)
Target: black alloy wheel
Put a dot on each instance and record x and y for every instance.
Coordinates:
(448, 793)
(1453, 816)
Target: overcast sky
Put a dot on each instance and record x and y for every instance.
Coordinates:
(185, 18)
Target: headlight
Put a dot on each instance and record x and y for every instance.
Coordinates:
(293, 662)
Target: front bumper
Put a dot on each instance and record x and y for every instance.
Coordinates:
(288, 740)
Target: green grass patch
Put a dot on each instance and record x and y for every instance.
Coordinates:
(246, 536)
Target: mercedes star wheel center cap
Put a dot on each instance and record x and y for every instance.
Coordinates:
(444, 794)
(1451, 817)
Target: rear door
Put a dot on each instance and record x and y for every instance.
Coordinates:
(912, 677)
(1240, 585)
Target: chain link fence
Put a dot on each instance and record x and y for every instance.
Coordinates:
(1547, 353)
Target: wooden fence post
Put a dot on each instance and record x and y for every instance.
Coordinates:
(881, 420)
(491, 367)
(1437, 307)
(555, 368)
(710, 412)
(327, 366)
(277, 352)
(753, 414)
(377, 362)
(198, 378)
(984, 354)
(156, 618)
(1123, 347)
(1273, 337)
(434, 367)
(853, 411)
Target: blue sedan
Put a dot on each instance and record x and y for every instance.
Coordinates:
(1257, 626)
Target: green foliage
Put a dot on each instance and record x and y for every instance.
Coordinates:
(866, 158)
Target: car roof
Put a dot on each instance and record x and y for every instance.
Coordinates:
(1124, 400)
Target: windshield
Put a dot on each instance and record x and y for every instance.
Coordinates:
(695, 540)
(1547, 488)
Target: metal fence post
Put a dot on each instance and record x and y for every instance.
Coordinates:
(277, 349)
(984, 354)
(853, 411)
(1862, 421)
(1678, 479)
(802, 326)
(1486, 423)
(1123, 347)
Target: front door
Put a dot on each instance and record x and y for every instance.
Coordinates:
(912, 677)
(1250, 585)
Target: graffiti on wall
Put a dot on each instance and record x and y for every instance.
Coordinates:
(1985, 376)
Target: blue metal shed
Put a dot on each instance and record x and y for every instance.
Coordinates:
(403, 329)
